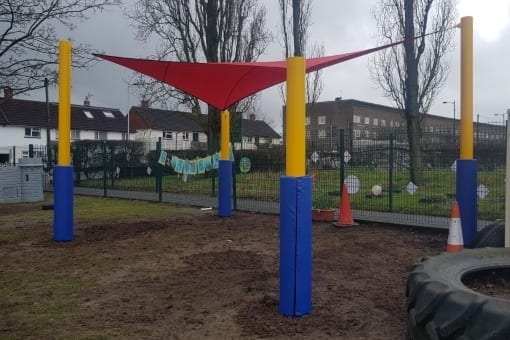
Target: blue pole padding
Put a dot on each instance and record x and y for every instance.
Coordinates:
(466, 197)
(295, 246)
(304, 246)
(288, 232)
(225, 188)
(63, 203)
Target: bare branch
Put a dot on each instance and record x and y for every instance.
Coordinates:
(29, 43)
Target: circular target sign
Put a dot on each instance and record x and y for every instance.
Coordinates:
(245, 165)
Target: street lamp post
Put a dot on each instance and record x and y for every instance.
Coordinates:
(453, 127)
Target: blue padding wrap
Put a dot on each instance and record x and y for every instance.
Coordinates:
(63, 203)
(467, 196)
(304, 246)
(225, 189)
(295, 246)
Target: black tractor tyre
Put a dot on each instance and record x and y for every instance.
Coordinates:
(492, 235)
(440, 306)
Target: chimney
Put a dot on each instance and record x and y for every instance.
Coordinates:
(252, 116)
(8, 93)
(86, 102)
(145, 104)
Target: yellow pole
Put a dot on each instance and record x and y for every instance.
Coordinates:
(295, 117)
(466, 88)
(64, 104)
(225, 136)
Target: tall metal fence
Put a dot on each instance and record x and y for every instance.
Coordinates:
(375, 165)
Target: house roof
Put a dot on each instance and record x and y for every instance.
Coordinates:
(184, 121)
(30, 113)
(258, 128)
(165, 120)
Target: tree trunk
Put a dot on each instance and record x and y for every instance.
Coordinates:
(411, 96)
(415, 154)
(213, 129)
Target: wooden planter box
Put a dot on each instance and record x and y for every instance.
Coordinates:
(323, 215)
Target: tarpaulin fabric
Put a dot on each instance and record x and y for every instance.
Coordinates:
(224, 84)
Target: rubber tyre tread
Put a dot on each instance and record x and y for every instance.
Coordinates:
(440, 306)
(492, 235)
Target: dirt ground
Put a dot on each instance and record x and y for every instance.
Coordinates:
(200, 276)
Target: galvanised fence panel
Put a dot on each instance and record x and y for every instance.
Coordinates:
(375, 165)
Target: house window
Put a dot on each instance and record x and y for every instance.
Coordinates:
(108, 114)
(75, 134)
(397, 124)
(88, 114)
(195, 136)
(185, 136)
(391, 123)
(124, 136)
(33, 132)
(321, 120)
(168, 135)
(367, 120)
(322, 133)
(383, 122)
(375, 121)
(357, 133)
(307, 120)
(356, 119)
(249, 140)
(100, 135)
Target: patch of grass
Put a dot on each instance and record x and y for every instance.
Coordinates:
(433, 196)
(39, 301)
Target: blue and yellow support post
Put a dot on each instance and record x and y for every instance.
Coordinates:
(467, 167)
(295, 202)
(225, 168)
(63, 172)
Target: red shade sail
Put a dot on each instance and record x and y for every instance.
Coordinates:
(224, 84)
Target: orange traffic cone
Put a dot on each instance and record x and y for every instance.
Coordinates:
(455, 239)
(344, 211)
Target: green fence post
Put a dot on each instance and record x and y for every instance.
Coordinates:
(390, 175)
(341, 153)
(104, 169)
(159, 172)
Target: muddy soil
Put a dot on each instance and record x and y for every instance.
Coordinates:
(200, 276)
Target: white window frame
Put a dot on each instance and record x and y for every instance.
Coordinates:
(383, 122)
(75, 134)
(108, 114)
(185, 136)
(307, 120)
(321, 133)
(167, 134)
(356, 119)
(88, 114)
(375, 121)
(98, 135)
(367, 120)
(321, 120)
(32, 132)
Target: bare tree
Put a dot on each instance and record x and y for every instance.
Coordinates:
(412, 76)
(29, 43)
(199, 30)
(292, 46)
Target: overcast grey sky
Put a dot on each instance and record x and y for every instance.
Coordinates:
(342, 26)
